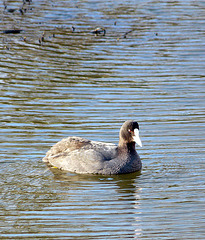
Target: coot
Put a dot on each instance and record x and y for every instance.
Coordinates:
(79, 155)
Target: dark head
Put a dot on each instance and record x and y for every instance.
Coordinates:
(129, 133)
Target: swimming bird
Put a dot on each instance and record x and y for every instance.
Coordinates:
(98, 31)
(83, 156)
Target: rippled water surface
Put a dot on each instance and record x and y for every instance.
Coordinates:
(58, 81)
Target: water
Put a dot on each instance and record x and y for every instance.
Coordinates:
(76, 83)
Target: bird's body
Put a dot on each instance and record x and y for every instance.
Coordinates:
(83, 156)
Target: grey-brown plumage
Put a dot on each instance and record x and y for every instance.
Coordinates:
(83, 156)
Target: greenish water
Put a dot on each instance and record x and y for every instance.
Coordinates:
(76, 83)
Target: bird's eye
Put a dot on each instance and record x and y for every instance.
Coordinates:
(129, 130)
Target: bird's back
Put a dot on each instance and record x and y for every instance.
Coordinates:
(80, 155)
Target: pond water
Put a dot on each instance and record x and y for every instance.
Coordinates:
(58, 81)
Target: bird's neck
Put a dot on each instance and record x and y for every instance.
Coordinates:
(126, 146)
